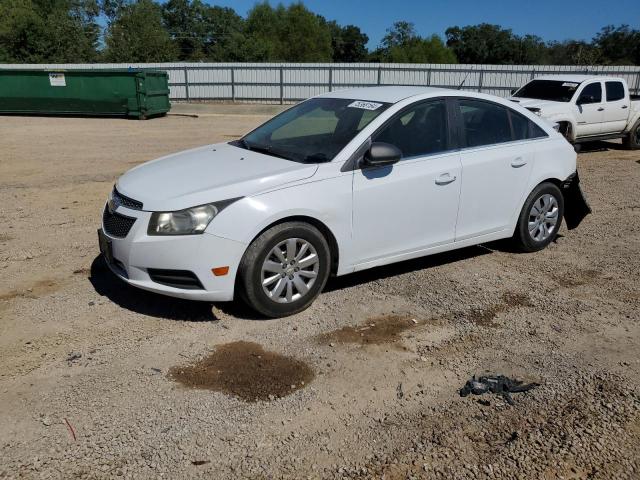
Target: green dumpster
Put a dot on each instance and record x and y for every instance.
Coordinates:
(115, 92)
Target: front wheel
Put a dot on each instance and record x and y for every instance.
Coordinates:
(632, 141)
(285, 269)
(540, 218)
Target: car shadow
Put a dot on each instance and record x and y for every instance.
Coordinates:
(408, 266)
(140, 301)
(137, 300)
(600, 146)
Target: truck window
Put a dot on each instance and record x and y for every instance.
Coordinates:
(615, 91)
(592, 93)
(553, 90)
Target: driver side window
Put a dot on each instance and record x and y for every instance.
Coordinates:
(420, 130)
(592, 93)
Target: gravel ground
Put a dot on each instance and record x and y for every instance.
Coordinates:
(90, 367)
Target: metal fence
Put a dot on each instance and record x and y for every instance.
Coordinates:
(286, 82)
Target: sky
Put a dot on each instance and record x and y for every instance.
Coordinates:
(549, 19)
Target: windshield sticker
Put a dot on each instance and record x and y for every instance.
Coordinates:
(365, 105)
(570, 84)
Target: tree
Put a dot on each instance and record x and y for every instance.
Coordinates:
(136, 34)
(292, 34)
(619, 45)
(348, 43)
(226, 38)
(492, 44)
(482, 43)
(572, 52)
(402, 44)
(184, 21)
(35, 31)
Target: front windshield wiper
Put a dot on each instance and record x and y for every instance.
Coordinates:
(266, 149)
(316, 158)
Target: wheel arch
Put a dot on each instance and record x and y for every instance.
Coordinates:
(334, 249)
(533, 185)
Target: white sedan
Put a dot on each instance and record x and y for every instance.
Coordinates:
(339, 183)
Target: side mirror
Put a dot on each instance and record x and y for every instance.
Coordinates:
(380, 154)
(585, 99)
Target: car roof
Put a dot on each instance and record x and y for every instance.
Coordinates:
(575, 78)
(386, 94)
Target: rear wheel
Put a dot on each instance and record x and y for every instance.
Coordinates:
(540, 218)
(632, 141)
(285, 269)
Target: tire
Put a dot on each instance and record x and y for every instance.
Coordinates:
(547, 199)
(284, 295)
(632, 141)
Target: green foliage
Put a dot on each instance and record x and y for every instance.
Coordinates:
(402, 44)
(36, 31)
(136, 34)
(204, 32)
(619, 46)
(65, 31)
(292, 34)
(491, 44)
(572, 52)
(348, 43)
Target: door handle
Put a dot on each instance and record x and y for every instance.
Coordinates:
(445, 179)
(601, 109)
(518, 162)
(625, 106)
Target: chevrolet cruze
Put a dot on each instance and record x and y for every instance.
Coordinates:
(339, 183)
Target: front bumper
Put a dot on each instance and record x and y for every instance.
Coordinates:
(135, 253)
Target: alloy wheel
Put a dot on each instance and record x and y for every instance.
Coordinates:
(543, 217)
(289, 270)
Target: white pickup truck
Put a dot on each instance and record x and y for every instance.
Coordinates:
(585, 108)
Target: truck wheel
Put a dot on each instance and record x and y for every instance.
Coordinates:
(632, 141)
(285, 269)
(540, 218)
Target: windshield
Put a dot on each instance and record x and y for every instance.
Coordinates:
(313, 131)
(553, 90)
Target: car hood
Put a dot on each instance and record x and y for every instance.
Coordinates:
(207, 174)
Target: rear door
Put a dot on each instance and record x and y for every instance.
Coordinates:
(589, 110)
(616, 109)
(496, 163)
(413, 204)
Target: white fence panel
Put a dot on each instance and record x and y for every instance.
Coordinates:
(291, 82)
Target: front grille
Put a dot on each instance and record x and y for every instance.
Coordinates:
(175, 278)
(115, 224)
(126, 201)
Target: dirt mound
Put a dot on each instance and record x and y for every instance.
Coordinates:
(246, 370)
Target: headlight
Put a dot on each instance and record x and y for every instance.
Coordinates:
(190, 221)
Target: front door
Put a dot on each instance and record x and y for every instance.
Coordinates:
(413, 204)
(589, 110)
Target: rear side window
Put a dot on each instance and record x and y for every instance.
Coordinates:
(484, 123)
(523, 128)
(419, 130)
(615, 91)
